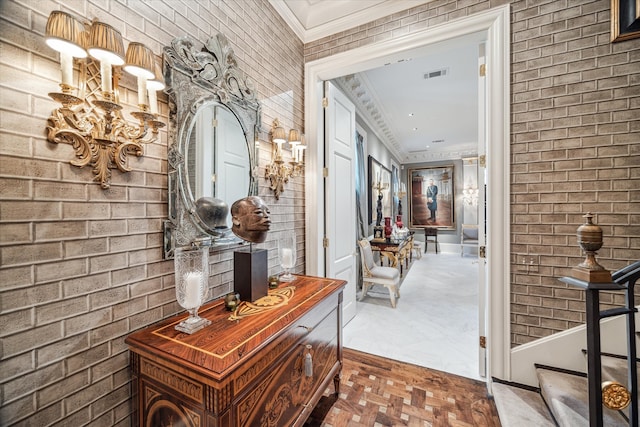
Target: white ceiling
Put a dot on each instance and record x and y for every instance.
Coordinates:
(314, 19)
(445, 109)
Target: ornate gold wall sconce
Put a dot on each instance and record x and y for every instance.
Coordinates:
(278, 172)
(379, 186)
(90, 119)
(470, 195)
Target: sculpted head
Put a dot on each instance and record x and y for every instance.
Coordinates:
(250, 217)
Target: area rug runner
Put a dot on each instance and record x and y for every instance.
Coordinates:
(375, 391)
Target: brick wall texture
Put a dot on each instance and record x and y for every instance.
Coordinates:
(81, 267)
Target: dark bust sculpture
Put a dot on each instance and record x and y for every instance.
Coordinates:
(212, 212)
(250, 217)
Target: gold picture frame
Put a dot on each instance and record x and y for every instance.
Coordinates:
(625, 20)
(422, 206)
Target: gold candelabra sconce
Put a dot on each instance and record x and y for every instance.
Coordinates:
(90, 119)
(278, 172)
(379, 186)
(402, 192)
(470, 195)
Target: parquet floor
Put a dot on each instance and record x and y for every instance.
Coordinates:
(375, 391)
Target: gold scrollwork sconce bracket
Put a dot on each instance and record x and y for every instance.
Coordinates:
(99, 135)
(278, 172)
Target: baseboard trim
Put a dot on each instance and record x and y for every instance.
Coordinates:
(561, 370)
(615, 356)
(516, 385)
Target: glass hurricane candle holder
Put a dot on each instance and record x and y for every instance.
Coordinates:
(192, 279)
(287, 255)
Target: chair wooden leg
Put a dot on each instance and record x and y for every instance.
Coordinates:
(365, 289)
(392, 295)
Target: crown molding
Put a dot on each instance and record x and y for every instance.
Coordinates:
(368, 107)
(342, 23)
(289, 18)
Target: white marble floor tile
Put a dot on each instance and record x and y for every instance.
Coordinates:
(435, 324)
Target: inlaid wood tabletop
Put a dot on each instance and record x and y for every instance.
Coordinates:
(219, 346)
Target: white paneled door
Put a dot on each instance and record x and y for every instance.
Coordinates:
(340, 204)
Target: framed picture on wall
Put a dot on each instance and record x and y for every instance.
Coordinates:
(625, 20)
(431, 197)
(379, 191)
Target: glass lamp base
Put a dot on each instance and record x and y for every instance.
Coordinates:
(287, 277)
(192, 324)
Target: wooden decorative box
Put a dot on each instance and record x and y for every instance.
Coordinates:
(267, 367)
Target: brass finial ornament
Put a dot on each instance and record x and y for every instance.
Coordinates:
(590, 240)
(615, 396)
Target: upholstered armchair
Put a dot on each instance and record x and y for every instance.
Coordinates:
(373, 274)
(468, 236)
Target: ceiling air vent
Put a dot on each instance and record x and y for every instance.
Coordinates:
(436, 73)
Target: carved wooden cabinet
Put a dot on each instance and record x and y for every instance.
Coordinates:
(269, 368)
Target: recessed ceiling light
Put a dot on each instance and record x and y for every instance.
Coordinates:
(415, 129)
(410, 114)
(428, 146)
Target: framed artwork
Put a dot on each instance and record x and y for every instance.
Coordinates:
(625, 20)
(379, 185)
(431, 197)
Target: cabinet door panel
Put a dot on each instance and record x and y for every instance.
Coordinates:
(162, 408)
(284, 392)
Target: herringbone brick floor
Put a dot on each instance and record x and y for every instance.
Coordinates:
(375, 391)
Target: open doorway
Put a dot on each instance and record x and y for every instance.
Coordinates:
(496, 23)
(436, 324)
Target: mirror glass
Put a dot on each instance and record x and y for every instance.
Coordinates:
(217, 156)
(214, 118)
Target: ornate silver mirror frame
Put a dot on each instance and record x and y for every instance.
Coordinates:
(197, 78)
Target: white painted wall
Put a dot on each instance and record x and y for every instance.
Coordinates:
(564, 350)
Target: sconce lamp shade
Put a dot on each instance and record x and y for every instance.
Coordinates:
(154, 85)
(105, 44)
(66, 34)
(294, 137)
(157, 82)
(139, 61)
(278, 135)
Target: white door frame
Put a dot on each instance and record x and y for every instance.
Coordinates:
(496, 22)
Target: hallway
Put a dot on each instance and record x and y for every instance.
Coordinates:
(435, 324)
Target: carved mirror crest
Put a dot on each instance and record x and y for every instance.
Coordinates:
(214, 117)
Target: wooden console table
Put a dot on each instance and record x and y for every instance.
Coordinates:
(396, 250)
(265, 369)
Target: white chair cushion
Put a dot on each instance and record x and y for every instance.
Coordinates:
(386, 273)
(367, 254)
